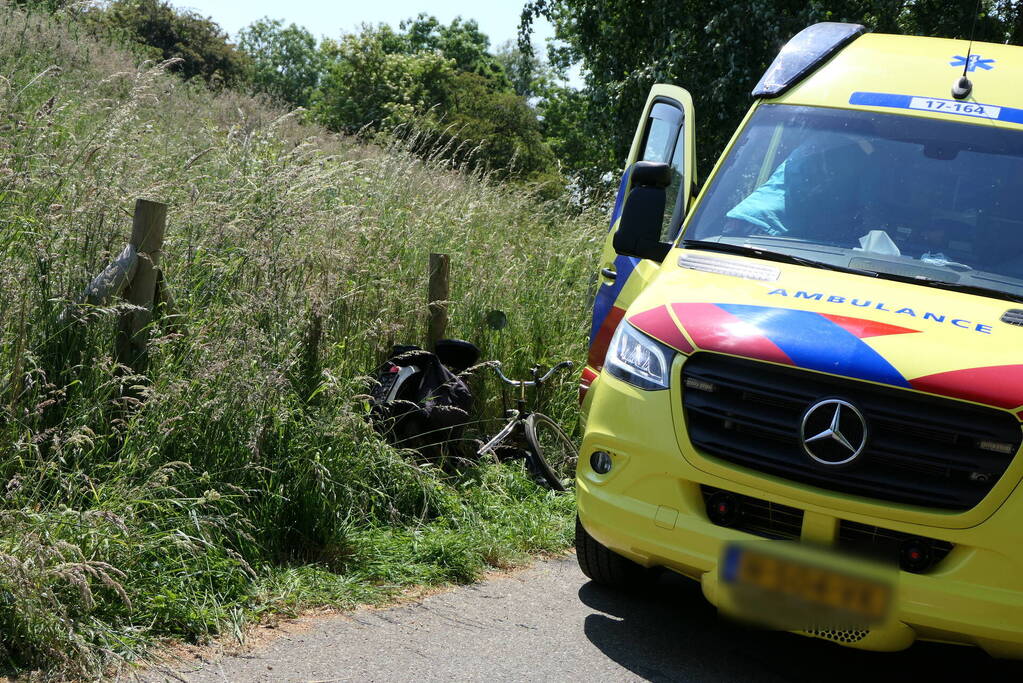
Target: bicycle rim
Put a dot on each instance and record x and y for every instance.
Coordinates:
(555, 454)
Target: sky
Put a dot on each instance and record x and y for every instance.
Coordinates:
(499, 19)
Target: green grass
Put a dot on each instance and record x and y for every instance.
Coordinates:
(236, 477)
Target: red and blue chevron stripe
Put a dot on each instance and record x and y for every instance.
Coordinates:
(823, 342)
(815, 341)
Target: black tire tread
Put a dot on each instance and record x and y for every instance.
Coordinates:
(602, 564)
(553, 481)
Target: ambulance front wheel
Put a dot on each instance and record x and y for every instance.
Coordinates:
(602, 564)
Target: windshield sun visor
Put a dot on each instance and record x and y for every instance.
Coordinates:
(807, 50)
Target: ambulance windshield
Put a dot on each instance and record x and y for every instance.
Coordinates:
(914, 197)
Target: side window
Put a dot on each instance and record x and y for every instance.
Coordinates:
(674, 199)
(665, 144)
(661, 131)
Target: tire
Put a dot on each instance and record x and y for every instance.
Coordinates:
(555, 456)
(604, 565)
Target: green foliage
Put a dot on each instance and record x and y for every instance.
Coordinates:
(527, 72)
(368, 84)
(381, 80)
(212, 491)
(284, 62)
(501, 125)
(45, 5)
(717, 50)
(570, 124)
(460, 41)
(174, 33)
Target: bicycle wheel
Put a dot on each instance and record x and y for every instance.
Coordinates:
(555, 456)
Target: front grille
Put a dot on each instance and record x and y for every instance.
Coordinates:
(921, 450)
(892, 547)
(756, 516)
(840, 635)
(764, 518)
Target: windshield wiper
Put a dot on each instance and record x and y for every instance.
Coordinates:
(780, 257)
(768, 255)
(979, 290)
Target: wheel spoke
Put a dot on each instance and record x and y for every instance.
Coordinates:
(556, 451)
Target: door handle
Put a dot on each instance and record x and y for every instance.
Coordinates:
(608, 273)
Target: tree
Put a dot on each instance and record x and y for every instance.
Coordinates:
(284, 62)
(718, 49)
(46, 5)
(198, 40)
(380, 80)
(461, 41)
(570, 128)
(528, 74)
(366, 85)
(500, 128)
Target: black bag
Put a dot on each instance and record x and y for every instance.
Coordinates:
(416, 402)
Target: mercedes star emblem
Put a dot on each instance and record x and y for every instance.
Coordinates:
(833, 432)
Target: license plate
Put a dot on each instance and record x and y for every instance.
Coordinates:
(774, 585)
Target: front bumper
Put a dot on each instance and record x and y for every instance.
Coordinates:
(650, 509)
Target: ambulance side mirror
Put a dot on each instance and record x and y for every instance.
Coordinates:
(639, 229)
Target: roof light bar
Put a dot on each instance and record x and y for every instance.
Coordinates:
(806, 51)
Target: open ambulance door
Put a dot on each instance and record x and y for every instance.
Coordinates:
(665, 135)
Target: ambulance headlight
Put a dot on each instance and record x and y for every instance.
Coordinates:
(637, 359)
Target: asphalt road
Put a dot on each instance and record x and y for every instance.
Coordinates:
(549, 623)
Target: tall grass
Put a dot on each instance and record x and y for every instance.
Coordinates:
(238, 475)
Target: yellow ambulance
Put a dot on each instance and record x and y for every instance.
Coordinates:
(805, 381)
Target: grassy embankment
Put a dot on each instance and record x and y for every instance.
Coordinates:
(245, 483)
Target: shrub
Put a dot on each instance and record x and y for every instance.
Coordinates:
(171, 33)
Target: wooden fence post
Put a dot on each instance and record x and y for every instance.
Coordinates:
(147, 230)
(440, 270)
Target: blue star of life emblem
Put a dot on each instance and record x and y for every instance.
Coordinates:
(973, 63)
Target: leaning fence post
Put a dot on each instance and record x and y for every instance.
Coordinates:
(440, 269)
(147, 230)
